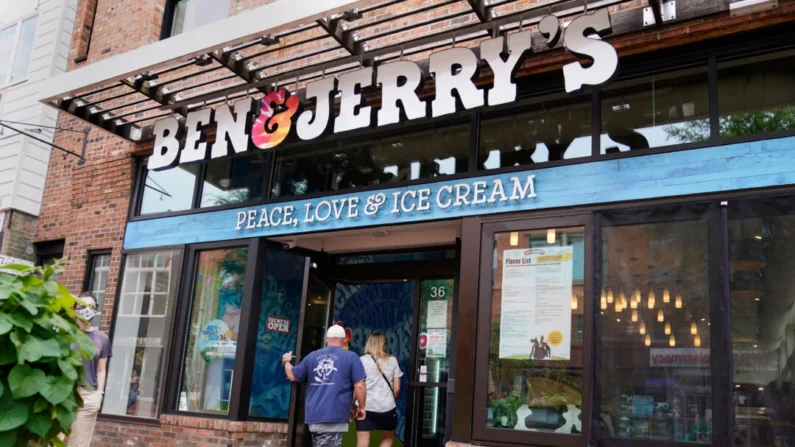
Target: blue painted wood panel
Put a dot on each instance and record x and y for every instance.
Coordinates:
(722, 168)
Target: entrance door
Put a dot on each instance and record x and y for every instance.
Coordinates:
(431, 365)
(409, 297)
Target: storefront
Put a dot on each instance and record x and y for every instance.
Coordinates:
(605, 267)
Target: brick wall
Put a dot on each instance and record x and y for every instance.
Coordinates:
(18, 230)
(190, 432)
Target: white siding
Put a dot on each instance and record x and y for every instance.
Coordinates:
(23, 161)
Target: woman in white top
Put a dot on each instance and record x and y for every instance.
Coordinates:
(383, 388)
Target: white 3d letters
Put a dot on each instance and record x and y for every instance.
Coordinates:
(231, 130)
(443, 65)
(312, 124)
(353, 115)
(504, 89)
(195, 148)
(166, 148)
(603, 54)
(389, 76)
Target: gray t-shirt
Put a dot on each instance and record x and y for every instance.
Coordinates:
(379, 396)
(342, 427)
(103, 351)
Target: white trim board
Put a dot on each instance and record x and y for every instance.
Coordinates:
(275, 17)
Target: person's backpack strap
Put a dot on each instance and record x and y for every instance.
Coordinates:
(382, 374)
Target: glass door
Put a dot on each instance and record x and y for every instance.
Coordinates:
(431, 365)
(533, 382)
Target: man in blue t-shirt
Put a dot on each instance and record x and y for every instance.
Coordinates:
(333, 375)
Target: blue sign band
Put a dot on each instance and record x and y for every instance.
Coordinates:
(721, 168)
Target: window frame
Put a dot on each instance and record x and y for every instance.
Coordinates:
(88, 278)
(657, 63)
(168, 344)
(244, 353)
(12, 56)
(714, 217)
(167, 25)
(481, 433)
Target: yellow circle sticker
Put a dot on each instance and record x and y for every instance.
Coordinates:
(555, 338)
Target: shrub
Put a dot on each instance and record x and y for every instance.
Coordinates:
(39, 369)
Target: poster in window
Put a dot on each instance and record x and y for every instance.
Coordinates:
(535, 321)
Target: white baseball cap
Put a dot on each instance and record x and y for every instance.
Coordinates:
(336, 331)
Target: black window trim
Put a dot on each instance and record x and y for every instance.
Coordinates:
(708, 53)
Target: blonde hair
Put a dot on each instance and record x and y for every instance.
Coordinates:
(376, 346)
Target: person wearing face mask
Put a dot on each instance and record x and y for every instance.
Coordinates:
(96, 372)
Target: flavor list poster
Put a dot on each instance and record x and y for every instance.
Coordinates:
(536, 303)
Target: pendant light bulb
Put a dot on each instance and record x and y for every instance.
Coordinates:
(603, 303)
(634, 316)
(693, 329)
(574, 302)
(678, 303)
(672, 341)
(666, 296)
(637, 295)
(623, 299)
(697, 341)
(514, 239)
(667, 328)
(642, 328)
(632, 303)
(610, 297)
(648, 340)
(660, 316)
(551, 236)
(652, 299)
(618, 306)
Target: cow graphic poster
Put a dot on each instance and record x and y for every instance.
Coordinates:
(535, 321)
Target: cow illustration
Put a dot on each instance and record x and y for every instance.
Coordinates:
(540, 350)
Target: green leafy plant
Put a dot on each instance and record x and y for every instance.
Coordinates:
(39, 370)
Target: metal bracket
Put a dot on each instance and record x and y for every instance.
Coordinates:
(666, 11)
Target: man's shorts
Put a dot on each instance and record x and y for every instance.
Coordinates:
(325, 439)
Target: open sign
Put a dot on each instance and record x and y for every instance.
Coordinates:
(276, 324)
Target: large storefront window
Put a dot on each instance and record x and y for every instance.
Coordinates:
(535, 368)
(550, 128)
(761, 238)
(212, 330)
(141, 333)
(653, 379)
(169, 190)
(234, 180)
(756, 95)
(403, 157)
(663, 110)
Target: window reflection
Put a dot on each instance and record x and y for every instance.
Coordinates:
(654, 378)
(756, 95)
(652, 112)
(190, 14)
(169, 190)
(141, 333)
(761, 237)
(213, 331)
(234, 180)
(535, 370)
(546, 130)
(398, 158)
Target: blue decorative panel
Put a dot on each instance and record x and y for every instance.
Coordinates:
(722, 168)
(380, 307)
(280, 306)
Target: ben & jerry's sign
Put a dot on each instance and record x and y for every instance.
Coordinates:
(279, 113)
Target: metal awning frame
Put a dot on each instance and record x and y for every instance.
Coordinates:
(247, 77)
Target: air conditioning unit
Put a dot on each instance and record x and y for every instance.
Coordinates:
(746, 7)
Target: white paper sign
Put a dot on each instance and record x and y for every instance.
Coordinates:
(437, 343)
(437, 314)
(536, 303)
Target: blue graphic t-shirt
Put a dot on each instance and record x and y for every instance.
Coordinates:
(330, 374)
